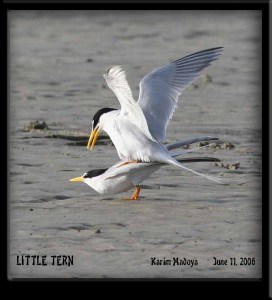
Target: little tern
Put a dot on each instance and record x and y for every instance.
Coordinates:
(138, 129)
(120, 177)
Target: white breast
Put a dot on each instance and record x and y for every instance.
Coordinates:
(128, 139)
(110, 186)
(116, 180)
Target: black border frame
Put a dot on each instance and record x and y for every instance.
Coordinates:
(259, 288)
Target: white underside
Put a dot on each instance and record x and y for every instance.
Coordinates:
(130, 142)
(117, 180)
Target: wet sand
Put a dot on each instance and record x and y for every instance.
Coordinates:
(56, 64)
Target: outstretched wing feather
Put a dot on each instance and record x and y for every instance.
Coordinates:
(161, 88)
(117, 82)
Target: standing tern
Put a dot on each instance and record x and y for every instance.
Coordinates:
(138, 129)
(120, 178)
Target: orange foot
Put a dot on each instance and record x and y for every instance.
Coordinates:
(135, 196)
(128, 162)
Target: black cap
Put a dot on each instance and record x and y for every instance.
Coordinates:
(94, 173)
(99, 113)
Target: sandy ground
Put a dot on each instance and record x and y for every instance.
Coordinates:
(56, 64)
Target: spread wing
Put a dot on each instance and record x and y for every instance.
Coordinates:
(117, 82)
(160, 89)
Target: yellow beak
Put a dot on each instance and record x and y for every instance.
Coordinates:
(77, 179)
(93, 138)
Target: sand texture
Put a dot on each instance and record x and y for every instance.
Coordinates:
(56, 64)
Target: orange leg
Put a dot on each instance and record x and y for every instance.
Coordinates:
(136, 193)
(135, 196)
(128, 162)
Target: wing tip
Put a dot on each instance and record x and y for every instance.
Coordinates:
(112, 70)
(215, 52)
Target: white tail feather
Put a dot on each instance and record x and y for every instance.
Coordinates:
(212, 178)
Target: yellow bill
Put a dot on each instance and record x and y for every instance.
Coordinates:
(93, 138)
(77, 179)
